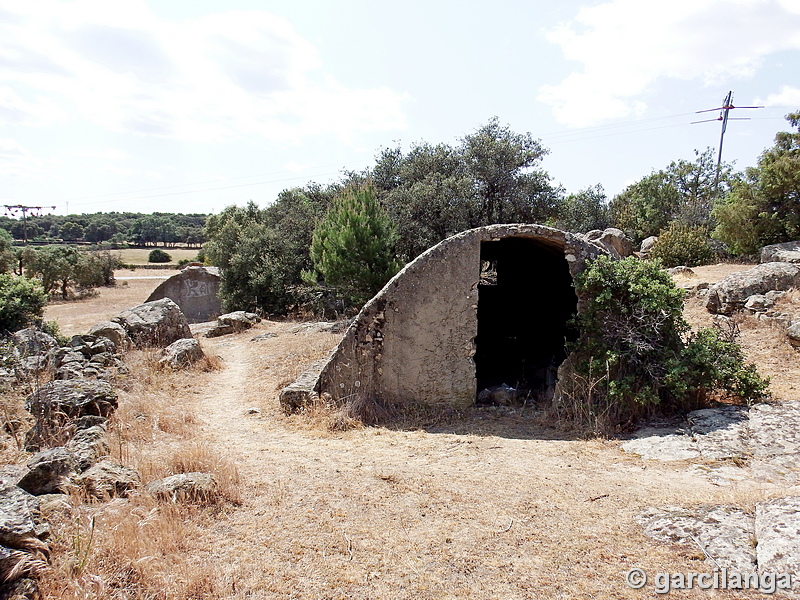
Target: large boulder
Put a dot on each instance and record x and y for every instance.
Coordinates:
(23, 551)
(108, 479)
(31, 341)
(233, 322)
(786, 252)
(50, 472)
(612, 240)
(72, 399)
(21, 525)
(157, 323)
(181, 353)
(731, 293)
(112, 331)
(59, 406)
(195, 289)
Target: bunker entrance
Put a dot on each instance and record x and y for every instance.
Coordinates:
(525, 299)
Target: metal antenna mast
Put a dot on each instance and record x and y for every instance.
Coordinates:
(727, 106)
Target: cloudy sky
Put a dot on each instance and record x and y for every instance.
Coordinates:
(175, 106)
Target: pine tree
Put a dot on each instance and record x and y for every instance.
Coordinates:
(353, 246)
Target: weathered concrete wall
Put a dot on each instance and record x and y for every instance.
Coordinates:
(195, 291)
(415, 340)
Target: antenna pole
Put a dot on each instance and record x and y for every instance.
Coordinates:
(727, 106)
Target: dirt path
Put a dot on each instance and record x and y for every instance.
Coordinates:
(378, 513)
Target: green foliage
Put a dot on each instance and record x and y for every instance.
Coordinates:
(22, 302)
(645, 207)
(157, 255)
(491, 176)
(8, 258)
(584, 211)
(681, 244)
(71, 232)
(765, 207)
(635, 350)
(685, 192)
(262, 253)
(64, 268)
(353, 246)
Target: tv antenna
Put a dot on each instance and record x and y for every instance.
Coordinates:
(13, 209)
(727, 106)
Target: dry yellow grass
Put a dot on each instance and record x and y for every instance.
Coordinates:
(139, 256)
(488, 503)
(75, 317)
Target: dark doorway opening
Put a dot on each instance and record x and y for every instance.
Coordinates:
(525, 300)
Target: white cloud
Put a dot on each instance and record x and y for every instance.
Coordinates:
(233, 74)
(788, 96)
(625, 46)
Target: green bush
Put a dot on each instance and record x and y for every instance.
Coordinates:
(22, 302)
(158, 256)
(681, 244)
(636, 354)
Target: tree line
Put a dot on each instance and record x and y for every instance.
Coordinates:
(275, 260)
(114, 228)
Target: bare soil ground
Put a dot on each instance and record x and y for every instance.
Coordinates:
(489, 503)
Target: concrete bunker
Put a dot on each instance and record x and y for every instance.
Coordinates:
(486, 307)
(525, 301)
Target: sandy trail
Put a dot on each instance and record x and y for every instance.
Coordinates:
(490, 508)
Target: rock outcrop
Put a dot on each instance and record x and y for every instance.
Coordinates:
(786, 252)
(233, 323)
(154, 324)
(181, 353)
(731, 293)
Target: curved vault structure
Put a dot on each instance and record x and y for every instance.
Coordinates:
(486, 307)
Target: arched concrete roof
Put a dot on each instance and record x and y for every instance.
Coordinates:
(415, 340)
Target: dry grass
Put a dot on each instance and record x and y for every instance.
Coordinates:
(139, 256)
(482, 503)
(76, 317)
(132, 549)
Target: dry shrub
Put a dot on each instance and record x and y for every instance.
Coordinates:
(193, 457)
(133, 549)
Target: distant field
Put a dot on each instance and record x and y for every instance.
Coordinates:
(138, 256)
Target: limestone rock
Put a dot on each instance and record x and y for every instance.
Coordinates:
(112, 331)
(21, 525)
(108, 479)
(663, 447)
(731, 293)
(612, 240)
(71, 400)
(157, 323)
(49, 472)
(776, 525)
(758, 303)
(31, 341)
(786, 252)
(184, 487)
(647, 244)
(793, 333)
(181, 353)
(88, 446)
(726, 534)
(233, 323)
